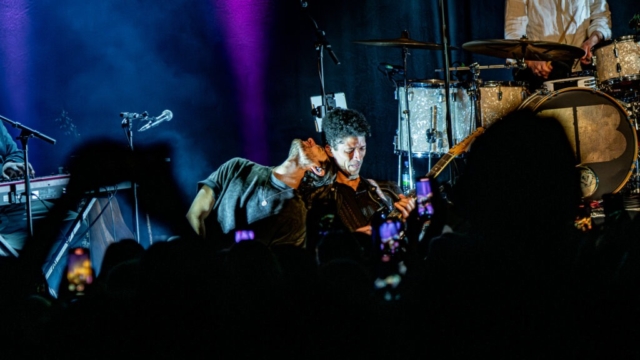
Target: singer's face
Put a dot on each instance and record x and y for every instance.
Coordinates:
(349, 154)
(310, 155)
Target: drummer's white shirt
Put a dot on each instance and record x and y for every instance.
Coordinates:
(568, 22)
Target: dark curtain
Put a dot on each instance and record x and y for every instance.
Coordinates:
(294, 61)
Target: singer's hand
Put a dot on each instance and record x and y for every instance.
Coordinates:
(12, 170)
(405, 205)
(365, 230)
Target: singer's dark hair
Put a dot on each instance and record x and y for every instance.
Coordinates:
(340, 123)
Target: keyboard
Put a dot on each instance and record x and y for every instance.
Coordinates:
(42, 188)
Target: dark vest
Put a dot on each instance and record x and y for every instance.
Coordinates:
(338, 208)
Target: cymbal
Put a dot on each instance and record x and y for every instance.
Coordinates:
(524, 49)
(404, 42)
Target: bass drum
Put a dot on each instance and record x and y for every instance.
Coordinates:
(601, 134)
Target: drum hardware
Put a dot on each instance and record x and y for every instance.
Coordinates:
(491, 100)
(559, 84)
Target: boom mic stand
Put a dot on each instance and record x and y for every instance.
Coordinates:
(126, 125)
(320, 45)
(24, 136)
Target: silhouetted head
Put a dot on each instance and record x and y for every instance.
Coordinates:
(521, 173)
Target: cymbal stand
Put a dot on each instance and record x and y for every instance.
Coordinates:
(635, 111)
(24, 136)
(474, 93)
(447, 75)
(406, 113)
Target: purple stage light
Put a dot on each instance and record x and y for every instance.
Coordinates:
(244, 26)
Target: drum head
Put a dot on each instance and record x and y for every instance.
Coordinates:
(600, 132)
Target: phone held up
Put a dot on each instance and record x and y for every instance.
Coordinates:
(241, 235)
(424, 197)
(388, 252)
(79, 271)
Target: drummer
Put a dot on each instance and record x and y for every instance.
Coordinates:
(578, 23)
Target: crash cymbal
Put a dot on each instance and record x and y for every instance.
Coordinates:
(524, 49)
(404, 42)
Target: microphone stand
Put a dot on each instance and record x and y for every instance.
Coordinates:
(126, 124)
(405, 54)
(320, 45)
(24, 136)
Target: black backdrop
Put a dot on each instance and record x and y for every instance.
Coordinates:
(237, 75)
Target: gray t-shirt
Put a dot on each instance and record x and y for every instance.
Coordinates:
(249, 197)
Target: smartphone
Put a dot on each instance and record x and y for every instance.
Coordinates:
(79, 271)
(424, 196)
(389, 238)
(389, 243)
(244, 235)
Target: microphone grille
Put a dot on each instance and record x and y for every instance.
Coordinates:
(168, 114)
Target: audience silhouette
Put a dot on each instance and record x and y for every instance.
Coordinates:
(514, 279)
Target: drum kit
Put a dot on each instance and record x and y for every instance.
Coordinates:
(600, 110)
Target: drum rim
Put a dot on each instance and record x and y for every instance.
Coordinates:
(433, 82)
(618, 79)
(496, 83)
(619, 39)
(592, 73)
(549, 94)
(571, 79)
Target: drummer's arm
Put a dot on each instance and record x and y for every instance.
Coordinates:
(600, 21)
(588, 45)
(515, 19)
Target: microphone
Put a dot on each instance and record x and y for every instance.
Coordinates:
(166, 115)
(391, 68)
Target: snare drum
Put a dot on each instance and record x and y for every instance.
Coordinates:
(498, 98)
(601, 134)
(427, 116)
(618, 63)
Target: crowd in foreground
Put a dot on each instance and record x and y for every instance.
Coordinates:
(504, 273)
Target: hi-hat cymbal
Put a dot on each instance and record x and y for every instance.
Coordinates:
(523, 49)
(404, 42)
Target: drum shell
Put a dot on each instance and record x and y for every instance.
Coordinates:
(599, 130)
(498, 98)
(618, 62)
(427, 116)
